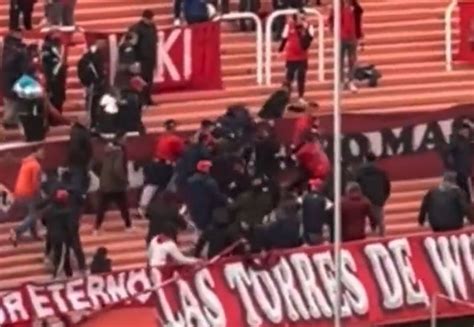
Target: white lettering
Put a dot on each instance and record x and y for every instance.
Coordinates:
(192, 311)
(116, 287)
(96, 291)
(14, 306)
(356, 294)
(165, 63)
(212, 305)
(40, 302)
(76, 295)
(55, 290)
(271, 307)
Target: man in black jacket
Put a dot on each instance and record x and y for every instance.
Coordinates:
(146, 50)
(25, 8)
(54, 70)
(14, 64)
(375, 186)
(445, 206)
(315, 213)
(80, 154)
(459, 158)
(91, 72)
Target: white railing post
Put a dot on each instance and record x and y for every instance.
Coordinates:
(448, 34)
(434, 309)
(268, 40)
(259, 37)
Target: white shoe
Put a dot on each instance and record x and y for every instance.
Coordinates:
(352, 87)
(302, 102)
(177, 22)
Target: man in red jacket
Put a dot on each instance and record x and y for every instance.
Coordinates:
(296, 40)
(169, 145)
(355, 209)
(312, 158)
(351, 33)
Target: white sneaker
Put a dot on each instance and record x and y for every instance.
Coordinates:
(352, 87)
(177, 22)
(302, 102)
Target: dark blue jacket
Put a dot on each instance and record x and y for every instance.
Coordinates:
(194, 8)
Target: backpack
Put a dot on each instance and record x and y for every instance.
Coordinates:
(368, 73)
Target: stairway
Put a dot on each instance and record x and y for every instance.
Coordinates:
(127, 250)
(404, 39)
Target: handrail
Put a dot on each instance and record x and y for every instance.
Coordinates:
(259, 37)
(448, 34)
(268, 40)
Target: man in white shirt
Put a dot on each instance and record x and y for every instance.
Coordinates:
(164, 250)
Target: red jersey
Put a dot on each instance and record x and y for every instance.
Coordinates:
(314, 160)
(348, 24)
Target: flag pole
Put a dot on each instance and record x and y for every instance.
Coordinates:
(337, 160)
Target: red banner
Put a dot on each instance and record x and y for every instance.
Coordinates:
(187, 59)
(383, 281)
(466, 31)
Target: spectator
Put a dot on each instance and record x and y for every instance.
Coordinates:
(131, 103)
(14, 64)
(276, 104)
(296, 40)
(164, 250)
(108, 115)
(312, 158)
(54, 70)
(24, 8)
(284, 231)
(304, 126)
(206, 127)
(248, 6)
(355, 209)
(91, 73)
(315, 213)
(68, 8)
(113, 185)
(57, 217)
(459, 158)
(195, 11)
(127, 57)
(146, 50)
(157, 175)
(203, 195)
(101, 264)
(445, 206)
(252, 206)
(267, 151)
(80, 154)
(169, 146)
(164, 216)
(375, 186)
(351, 33)
(27, 195)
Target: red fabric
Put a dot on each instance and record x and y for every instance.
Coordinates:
(303, 125)
(314, 160)
(348, 25)
(28, 180)
(355, 210)
(466, 31)
(188, 58)
(169, 147)
(293, 49)
(204, 166)
(380, 277)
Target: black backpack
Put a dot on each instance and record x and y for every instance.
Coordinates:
(368, 73)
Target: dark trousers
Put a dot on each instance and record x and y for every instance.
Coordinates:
(463, 183)
(248, 6)
(76, 247)
(148, 73)
(177, 8)
(26, 12)
(61, 254)
(297, 69)
(120, 199)
(93, 95)
(56, 87)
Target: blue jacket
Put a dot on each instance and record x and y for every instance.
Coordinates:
(194, 8)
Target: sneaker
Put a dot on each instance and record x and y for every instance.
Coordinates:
(352, 87)
(177, 22)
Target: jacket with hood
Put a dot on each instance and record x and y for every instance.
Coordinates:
(355, 209)
(113, 175)
(312, 158)
(445, 207)
(374, 182)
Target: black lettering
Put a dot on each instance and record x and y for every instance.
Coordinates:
(355, 147)
(433, 138)
(397, 144)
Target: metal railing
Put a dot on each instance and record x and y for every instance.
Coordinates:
(268, 40)
(448, 34)
(259, 37)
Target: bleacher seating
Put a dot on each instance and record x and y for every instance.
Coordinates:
(404, 38)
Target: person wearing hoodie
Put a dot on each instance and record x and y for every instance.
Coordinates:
(375, 186)
(13, 65)
(312, 158)
(27, 195)
(146, 50)
(101, 264)
(445, 206)
(355, 210)
(195, 11)
(54, 70)
(315, 212)
(276, 104)
(202, 195)
(113, 185)
(459, 158)
(79, 154)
